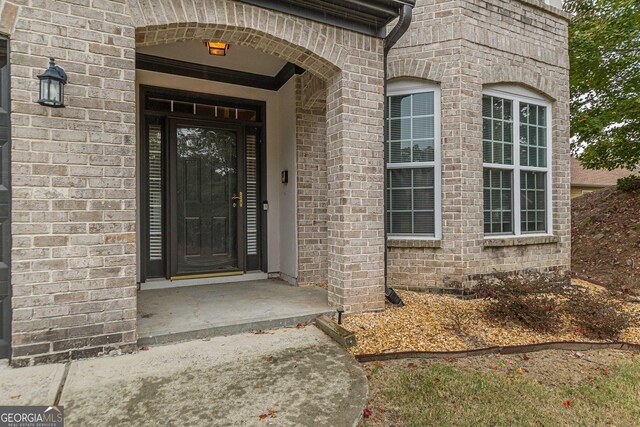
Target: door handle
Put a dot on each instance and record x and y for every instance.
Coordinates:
(238, 198)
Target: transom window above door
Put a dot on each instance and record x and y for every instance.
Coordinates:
(516, 152)
(413, 159)
(201, 109)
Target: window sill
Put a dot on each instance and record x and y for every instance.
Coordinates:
(494, 242)
(413, 243)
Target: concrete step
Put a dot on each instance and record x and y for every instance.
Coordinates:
(231, 329)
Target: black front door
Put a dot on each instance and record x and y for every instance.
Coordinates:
(207, 202)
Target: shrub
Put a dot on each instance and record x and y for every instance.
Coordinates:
(598, 315)
(457, 318)
(526, 299)
(629, 183)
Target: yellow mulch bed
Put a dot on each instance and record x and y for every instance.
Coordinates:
(431, 322)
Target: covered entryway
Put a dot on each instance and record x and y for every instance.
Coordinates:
(220, 192)
(262, 162)
(323, 172)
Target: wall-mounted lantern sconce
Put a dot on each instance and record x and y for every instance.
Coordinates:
(52, 83)
(217, 48)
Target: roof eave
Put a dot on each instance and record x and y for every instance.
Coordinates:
(368, 17)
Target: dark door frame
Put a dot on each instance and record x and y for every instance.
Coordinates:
(5, 206)
(149, 116)
(173, 196)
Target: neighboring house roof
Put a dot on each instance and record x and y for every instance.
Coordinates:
(595, 177)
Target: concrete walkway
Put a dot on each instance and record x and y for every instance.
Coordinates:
(293, 376)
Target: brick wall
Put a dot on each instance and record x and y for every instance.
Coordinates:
(311, 163)
(355, 156)
(463, 46)
(73, 172)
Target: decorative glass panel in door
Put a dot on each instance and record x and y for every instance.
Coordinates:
(207, 200)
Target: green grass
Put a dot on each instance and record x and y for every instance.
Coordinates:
(441, 395)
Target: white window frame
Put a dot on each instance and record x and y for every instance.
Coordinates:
(409, 87)
(518, 94)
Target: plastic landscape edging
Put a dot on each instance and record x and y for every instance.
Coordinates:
(589, 280)
(509, 349)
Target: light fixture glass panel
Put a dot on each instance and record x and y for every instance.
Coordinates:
(217, 48)
(44, 89)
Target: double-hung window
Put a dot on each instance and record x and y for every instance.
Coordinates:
(516, 147)
(413, 159)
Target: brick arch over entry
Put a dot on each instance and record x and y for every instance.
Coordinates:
(313, 92)
(310, 46)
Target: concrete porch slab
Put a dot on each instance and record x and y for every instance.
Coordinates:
(181, 314)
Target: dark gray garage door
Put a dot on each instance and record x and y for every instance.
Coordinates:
(5, 200)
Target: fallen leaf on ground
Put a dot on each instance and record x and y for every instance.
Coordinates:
(599, 220)
(16, 397)
(262, 416)
(272, 413)
(566, 403)
(366, 413)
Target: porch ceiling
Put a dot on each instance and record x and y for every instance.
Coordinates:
(364, 16)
